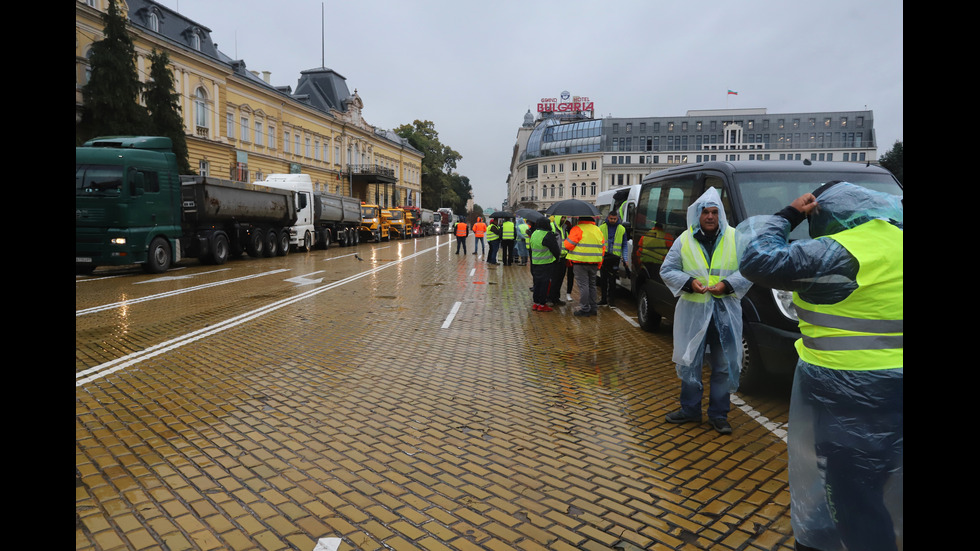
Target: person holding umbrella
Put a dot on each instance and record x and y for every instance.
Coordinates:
(493, 240)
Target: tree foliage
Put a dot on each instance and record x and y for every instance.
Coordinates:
(163, 103)
(111, 95)
(893, 161)
(441, 187)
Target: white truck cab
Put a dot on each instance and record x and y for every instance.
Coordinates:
(302, 236)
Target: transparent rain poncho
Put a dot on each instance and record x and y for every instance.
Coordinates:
(692, 319)
(845, 427)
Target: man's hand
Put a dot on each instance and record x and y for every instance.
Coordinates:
(717, 289)
(805, 203)
(698, 287)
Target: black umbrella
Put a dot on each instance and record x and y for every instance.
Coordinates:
(529, 214)
(501, 214)
(572, 207)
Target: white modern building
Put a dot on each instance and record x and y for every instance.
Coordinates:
(568, 154)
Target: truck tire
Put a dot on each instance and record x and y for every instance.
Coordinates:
(282, 242)
(355, 236)
(220, 249)
(307, 245)
(255, 247)
(646, 316)
(271, 241)
(343, 236)
(325, 239)
(157, 256)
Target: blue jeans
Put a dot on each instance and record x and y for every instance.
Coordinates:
(478, 240)
(494, 247)
(719, 396)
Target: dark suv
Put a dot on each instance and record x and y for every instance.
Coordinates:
(747, 188)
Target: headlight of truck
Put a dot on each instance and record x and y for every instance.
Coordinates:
(784, 301)
(118, 241)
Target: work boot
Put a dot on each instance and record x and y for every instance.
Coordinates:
(721, 425)
(680, 417)
(545, 308)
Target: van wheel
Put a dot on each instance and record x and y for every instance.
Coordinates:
(646, 316)
(158, 256)
(752, 376)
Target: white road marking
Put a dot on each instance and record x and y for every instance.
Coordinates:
(112, 366)
(452, 314)
(167, 294)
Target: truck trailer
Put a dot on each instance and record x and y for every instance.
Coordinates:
(132, 207)
(337, 219)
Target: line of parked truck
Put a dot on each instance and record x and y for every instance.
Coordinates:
(133, 207)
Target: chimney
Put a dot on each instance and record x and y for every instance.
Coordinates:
(265, 76)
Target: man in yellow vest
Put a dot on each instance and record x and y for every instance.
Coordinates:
(701, 270)
(846, 410)
(493, 240)
(615, 235)
(508, 233)
(585, 246)
(462, 230)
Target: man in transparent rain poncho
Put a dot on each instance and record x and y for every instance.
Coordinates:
(846, 423)
(701, 269)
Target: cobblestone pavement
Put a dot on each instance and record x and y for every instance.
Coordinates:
(396, 396)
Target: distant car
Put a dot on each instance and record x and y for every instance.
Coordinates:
(747, 188)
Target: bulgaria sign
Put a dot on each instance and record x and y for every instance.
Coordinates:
(568, 104)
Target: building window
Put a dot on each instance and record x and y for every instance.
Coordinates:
(308, 152)
(259, 134)
(203, 167)
(272, 137)
(593, 188)
(200, 108)
(154, 22)
(245, 130)
(285, 141)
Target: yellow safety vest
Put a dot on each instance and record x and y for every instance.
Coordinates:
(724, 261)
(865, 330)
(491, 235)
(590, 246)
(614, 246)
(540, 254)
(508, 231)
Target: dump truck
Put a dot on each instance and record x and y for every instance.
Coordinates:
(420, 220)
(132, 207)
(374, 224)
(337, 219)
(399, 227)
(446, 219)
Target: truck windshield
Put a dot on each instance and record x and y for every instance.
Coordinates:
(369, 212)
(395, 215)
(768, 193)
(98, 180)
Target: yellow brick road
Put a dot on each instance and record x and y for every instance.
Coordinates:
(403, 398)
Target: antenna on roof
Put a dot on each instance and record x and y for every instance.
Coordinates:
(323, 53)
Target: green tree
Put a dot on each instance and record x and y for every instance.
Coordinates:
(893, 161)
(163, 103)
(438, 161)
(111, 95)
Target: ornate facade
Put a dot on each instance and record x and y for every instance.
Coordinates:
(240, 126)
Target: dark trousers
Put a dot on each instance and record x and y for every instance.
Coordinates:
(557, 275)
(460, 241)
(507, 250)
(607, 277)
(541, 281)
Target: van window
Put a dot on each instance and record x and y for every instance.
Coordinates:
(677, 195)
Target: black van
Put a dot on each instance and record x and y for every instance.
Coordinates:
(747, 188)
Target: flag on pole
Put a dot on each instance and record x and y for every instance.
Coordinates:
(732, 93)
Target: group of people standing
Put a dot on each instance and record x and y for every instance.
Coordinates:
(505, 237)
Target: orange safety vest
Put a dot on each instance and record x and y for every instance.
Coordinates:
(479, 229)
(461, 229)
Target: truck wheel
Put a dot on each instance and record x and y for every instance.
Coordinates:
(343, 238)
(271, 239)
(256, 244)
(220, 249)
(282, 242)
(158, 256)
(355, 236)
(307, 243)
(646, 316)
(325, 239)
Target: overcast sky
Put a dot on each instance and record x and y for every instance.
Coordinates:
(475, 68)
